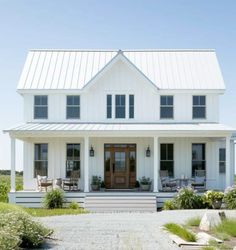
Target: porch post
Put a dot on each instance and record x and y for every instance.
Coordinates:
(228, 161)
(86, 164)
(13, 164)
(155, 164)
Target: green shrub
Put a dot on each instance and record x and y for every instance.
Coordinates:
(187, 198)
(3, 192)
(227, 226)
(18, 229)
(73, 205)
(230, 197)
(54, 199)
(169, 205)
(211, 196)
(183, 233)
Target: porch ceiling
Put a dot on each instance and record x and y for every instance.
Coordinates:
(120, 129)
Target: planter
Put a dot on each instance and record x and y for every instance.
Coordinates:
(217, 204)
(145, 187)
(95, 187)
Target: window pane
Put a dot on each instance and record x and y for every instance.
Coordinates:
(168, 165)
(198, 152)
(44, 100)
(120, 112)
(40, 168)
(109, 99)
(131, 100)
(222, 154)
(197, 165)
(195, 100)
(40, 152)
(40, 112)
(202, 100)
(73, 112)
(132, 161)
(76, 100)
(69, 151)
(170, 151)
(169, 100)
(118, 100)
(122, 99)
(163, 152)
(199, 112)
(107, 161)
(163, 100)
(108, 112)
(222, 167)
(131, 112)
(69, 100)
(72, 158)
(120, 161)
(166, 112)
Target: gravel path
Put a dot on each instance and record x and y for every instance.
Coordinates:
(118, 231)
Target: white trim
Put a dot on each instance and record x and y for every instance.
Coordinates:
(86, 164)
(13, 164)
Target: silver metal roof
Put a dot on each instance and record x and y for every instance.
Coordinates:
(64, 127)
(167, 69)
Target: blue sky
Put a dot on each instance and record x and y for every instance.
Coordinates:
(110, 24)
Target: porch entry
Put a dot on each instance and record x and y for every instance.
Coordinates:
(120, 166)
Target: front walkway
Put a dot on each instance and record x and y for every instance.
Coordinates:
(116, 231)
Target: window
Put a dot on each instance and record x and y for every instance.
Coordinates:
(73, 107)
(120, 106)
(167, 108)
(72, 158)
(167, 158)
(40, 159)
(222, 160)
(198, 157)
(109, 106)
(40, 107)
(131, 106)
(199, 107)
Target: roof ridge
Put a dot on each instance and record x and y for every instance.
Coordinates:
(127, 50)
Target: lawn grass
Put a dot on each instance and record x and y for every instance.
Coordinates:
(44, 212)
(180, 231)
(193, 222)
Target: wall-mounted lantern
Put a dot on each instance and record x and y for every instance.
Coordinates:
(148, 152)
(91, 152)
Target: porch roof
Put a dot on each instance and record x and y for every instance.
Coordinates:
(132, 129)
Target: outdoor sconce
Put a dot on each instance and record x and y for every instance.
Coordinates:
(148, 152)
(91, 152)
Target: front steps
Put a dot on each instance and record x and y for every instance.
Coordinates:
(120, 202)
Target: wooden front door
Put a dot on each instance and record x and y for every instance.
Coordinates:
(120, 166)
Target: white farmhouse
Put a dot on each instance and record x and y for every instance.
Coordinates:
(122, 115)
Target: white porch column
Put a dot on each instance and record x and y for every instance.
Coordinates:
(86, 164)
(13, 164)
(155, 163)
(228, 162)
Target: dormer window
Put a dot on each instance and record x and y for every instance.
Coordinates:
(40, 107)
(199, 107)
(131, 106)
(73, 107)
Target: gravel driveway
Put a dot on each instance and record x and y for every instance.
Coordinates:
(115, 230)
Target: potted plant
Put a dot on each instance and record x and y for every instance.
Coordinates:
(145, 183)
(96, 183)
(103, 186)
(214, 198)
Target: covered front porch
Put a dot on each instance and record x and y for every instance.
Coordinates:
(118, 147)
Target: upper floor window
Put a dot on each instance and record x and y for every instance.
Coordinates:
(166, 107)
(40, 107)
(222, 160)
(109, 106)
(73, 107)
(120, 106)
(131, 106)
(199, 107)
(40, 159)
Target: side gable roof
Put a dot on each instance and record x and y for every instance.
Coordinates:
(166, 69)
